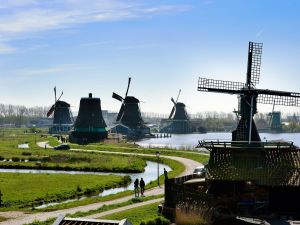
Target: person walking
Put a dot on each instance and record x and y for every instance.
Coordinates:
(142, 185)
(136, 188)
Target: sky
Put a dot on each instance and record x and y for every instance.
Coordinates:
(93, 46)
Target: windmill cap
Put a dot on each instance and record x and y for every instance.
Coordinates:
(180, 104)
(62, 104)
(131, 99)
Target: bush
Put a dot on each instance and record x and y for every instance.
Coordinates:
(15, 159)
(1, 158)
(157, 221)
(26, 153)
(33, 159)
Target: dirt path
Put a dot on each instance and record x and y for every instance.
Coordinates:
(42, 144)
(18, 218)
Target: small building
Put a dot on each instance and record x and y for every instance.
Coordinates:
(62, 220)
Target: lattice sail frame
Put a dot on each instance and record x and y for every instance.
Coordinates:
(256, 50)
(293, 100)
(205, 84)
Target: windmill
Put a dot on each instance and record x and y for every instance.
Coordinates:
(62, 116)
(130, 116)
(89, 125)
(275, 120)
(249, 95)
(178, 120)
(178, 109)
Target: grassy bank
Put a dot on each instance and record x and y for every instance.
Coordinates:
(22, 190)
(133, 148)
(136, 215)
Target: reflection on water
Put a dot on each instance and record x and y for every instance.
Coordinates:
(190, 141)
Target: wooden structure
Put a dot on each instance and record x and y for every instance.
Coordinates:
(246, 176)
(130, 116)
(62, 116)
(89, 125)
(62, 220)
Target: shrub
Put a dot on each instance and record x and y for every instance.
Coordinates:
(157, 221)
(183, 218)
(33, 159)
(15, 159)
(1, 158)
(26, 153)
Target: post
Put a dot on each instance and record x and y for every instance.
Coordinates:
(1, 198)
(157, 155)
(250, 126)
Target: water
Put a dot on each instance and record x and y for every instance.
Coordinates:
(190, 141)
(150, 174)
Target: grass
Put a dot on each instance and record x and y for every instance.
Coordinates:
(67, 160)
(113, 206)
(177, 168)
(22, 190)
(2, 218)
(99, 210)
(136, 215)
(132, 148)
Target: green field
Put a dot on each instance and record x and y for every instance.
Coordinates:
(136, 215)
(20, 189)
(40, 158)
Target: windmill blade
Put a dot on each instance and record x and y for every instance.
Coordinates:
(211, 85)
(129, 80)
(287, 100)
(172, 99)
(254, 63)
(118, 97)
(51, 110)
(172, 112)
(178, 95)
(60, 96)
(120, 113)
(54, 94)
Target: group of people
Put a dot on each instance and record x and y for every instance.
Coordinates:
(139, 185)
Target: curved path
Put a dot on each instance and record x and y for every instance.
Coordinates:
(18, 218)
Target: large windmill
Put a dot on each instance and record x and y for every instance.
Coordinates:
(89, 125)
(249, 95)
(62, 116)
(247, 169)
(130, 116)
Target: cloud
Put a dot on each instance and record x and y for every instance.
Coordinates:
(25, 18)
(5, 49)
(52, 70)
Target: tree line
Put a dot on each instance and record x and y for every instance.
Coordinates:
(19, 115)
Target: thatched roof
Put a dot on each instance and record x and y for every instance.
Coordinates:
(277, 165)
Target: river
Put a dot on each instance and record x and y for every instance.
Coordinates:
(190, 141)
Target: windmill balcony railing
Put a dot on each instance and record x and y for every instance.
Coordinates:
(211, 144)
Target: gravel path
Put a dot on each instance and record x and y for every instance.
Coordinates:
(18, 218)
